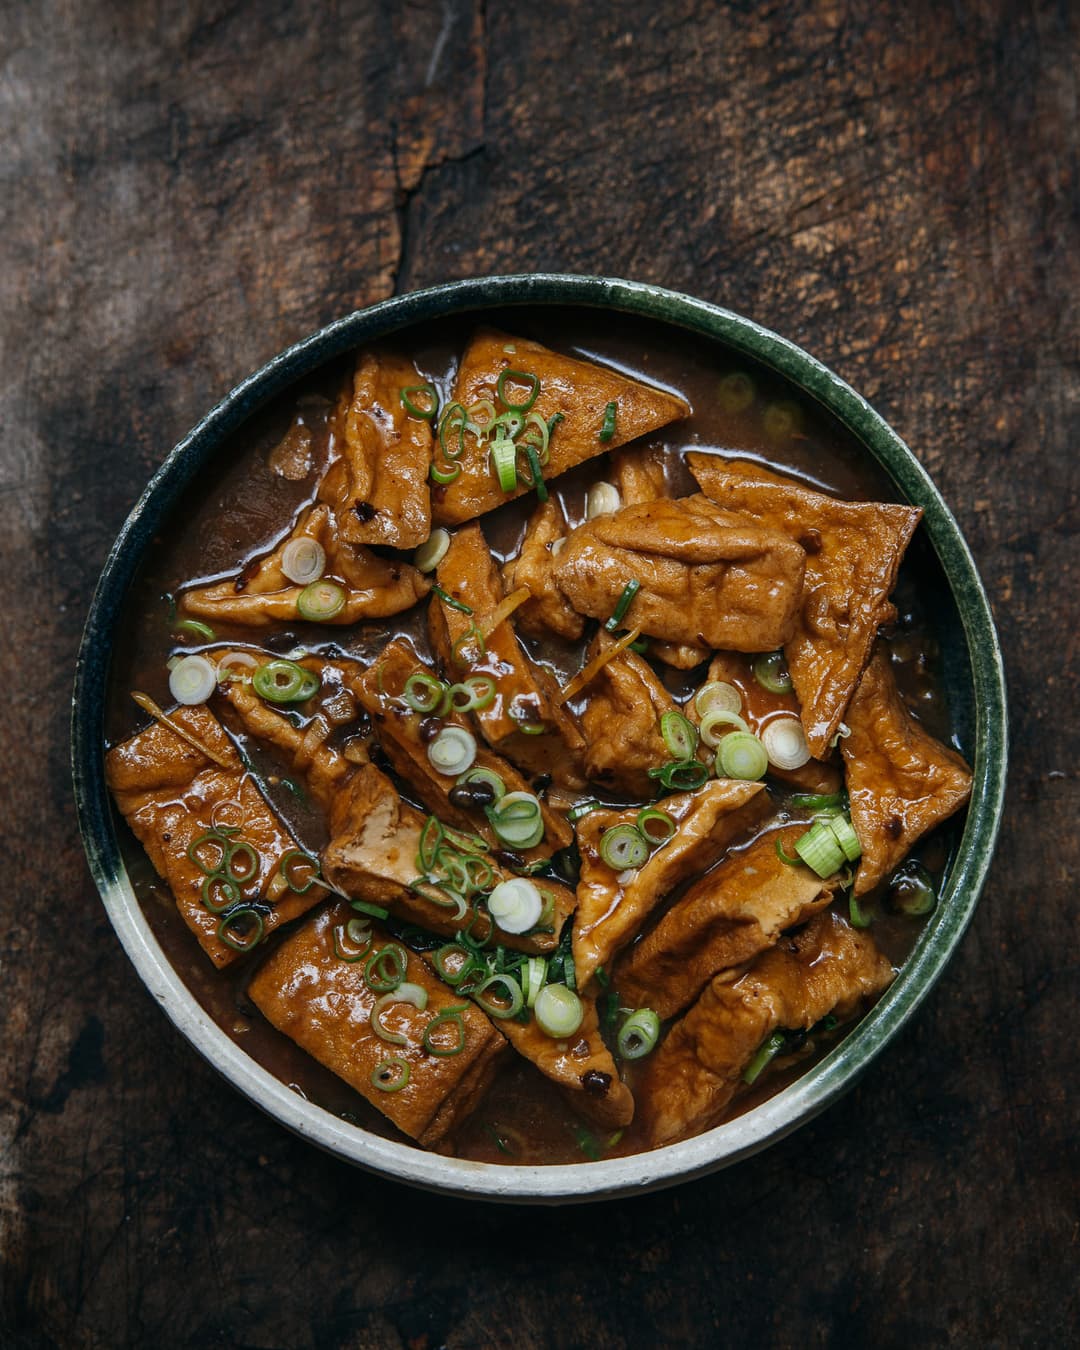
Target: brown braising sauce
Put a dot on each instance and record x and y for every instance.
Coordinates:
(240, 506)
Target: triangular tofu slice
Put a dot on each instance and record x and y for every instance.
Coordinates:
(853, 552)
(612, 905)
(578, 391)
(377, 482)
(261, 594)
(901, 780)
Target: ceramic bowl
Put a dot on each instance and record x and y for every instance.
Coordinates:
(973, 676)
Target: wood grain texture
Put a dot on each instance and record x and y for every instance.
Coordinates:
(185, 190)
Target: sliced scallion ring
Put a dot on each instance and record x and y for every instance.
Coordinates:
(857, 916)
(391, 1075)
(846, 837)
(434, 1039)
(517, 820)
(192, 680)
(453, 962)
(771, 672)
(785, 743)
(423, 693)
(741, 756)
(623, 847)
(764, 1057)
(602, 499)
(679, 733)
(533, 978)
(820, 850)
(432, 551)
(511, 990)
(475, 693)
(421, 400)
(452, 751)
(720, 717)
(303, 560)
(245, 938)
(352, 940)
(219, 892)
(282, 681)
(518, 377)
(607, 427)
(911, 890)
(535, 476)
(235, 665)
(638, 1034)
(415, 994)
(321, 601)
(478, 774)
(681, 775)
(516, 905)
(447, 475)
(558, 1011)
(452, 427)
(503, 453)
(657, 827)
(385, 969)
(717, 694)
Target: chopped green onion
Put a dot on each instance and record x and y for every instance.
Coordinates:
(195, 627)
(415, 994)
(282, 681)
(512, 991)
(580, 809)
(558, 1011)
(720, 717)
(303, 560)
(447, 475)
(423, 693)
(385, 969)
(236, 940)
(478, 774)
(681, 776)
(366, 907)
(680, 735)
(741, 756)
(735, 392)
(846, 837)
(785, 857)
(911, 890)
(623, 847)
(657, 826)
(230, 893)
(533, 978)
(536, 478)
(452, 751)
(638, 1034)
(431, 836)
(785, 743)
(607, 429)
(516, 905)
(432, 551)
(452, 1018)
(525, 377)
(319, 602)
(221, 844)
(815, 801)
(764, 1057)
(819, 849)
(454, 974)
(859, 917)
(454, 413)
(717, 694)
(192, 680)
(623, 604)
(474, 694)
(426, 414)
(517, 820)
(448, 599)
(240, 848)
(443, 897)
(503, 454)
(357, 932)
(771, 672)
(554, 421)
(391, 1075)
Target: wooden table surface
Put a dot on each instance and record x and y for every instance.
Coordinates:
(188, 188)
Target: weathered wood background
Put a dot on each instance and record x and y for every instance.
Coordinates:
(184, 189)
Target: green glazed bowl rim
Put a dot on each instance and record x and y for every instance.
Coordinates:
(821, 1084)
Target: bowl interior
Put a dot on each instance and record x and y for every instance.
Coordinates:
(688, 330)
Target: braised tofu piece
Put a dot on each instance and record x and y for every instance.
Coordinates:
(706, 578)
(323, 1002)
(261, 594)
(377, 482)
(176, 784)
(547, 610)
(322, 768)
(374, 854)
(579, 392)
(760, 707)
(581, 1065)
(901, 780)
(725, 919)
(524, 723)
(827, 968)
(620, 721)
(853, 553)
(401, 732)
(613, 905)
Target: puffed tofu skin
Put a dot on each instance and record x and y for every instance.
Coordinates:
(853, 553)
(578, 390)
(689, 1081)
(611, 912)
(706, 578)
(525, 692)
(726, 918)
(323, 768)
(901, 780)
(373, 855)
(377, 485)
(620, 721)
(324, 1004)
(167, 790)
(261, 594)
(547, 610)
(760, 706)
(398, 728)
(581, 1065)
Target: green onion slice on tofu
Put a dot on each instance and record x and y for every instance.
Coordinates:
(506, 1000)
(391, 1075)
(771, 672)
(421, 400)
(321, 601)
(623, 847)
(638, 1034)
(741, 755)
(518, 377)
(558, 1011)
(680, 735)
(434, 1038)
